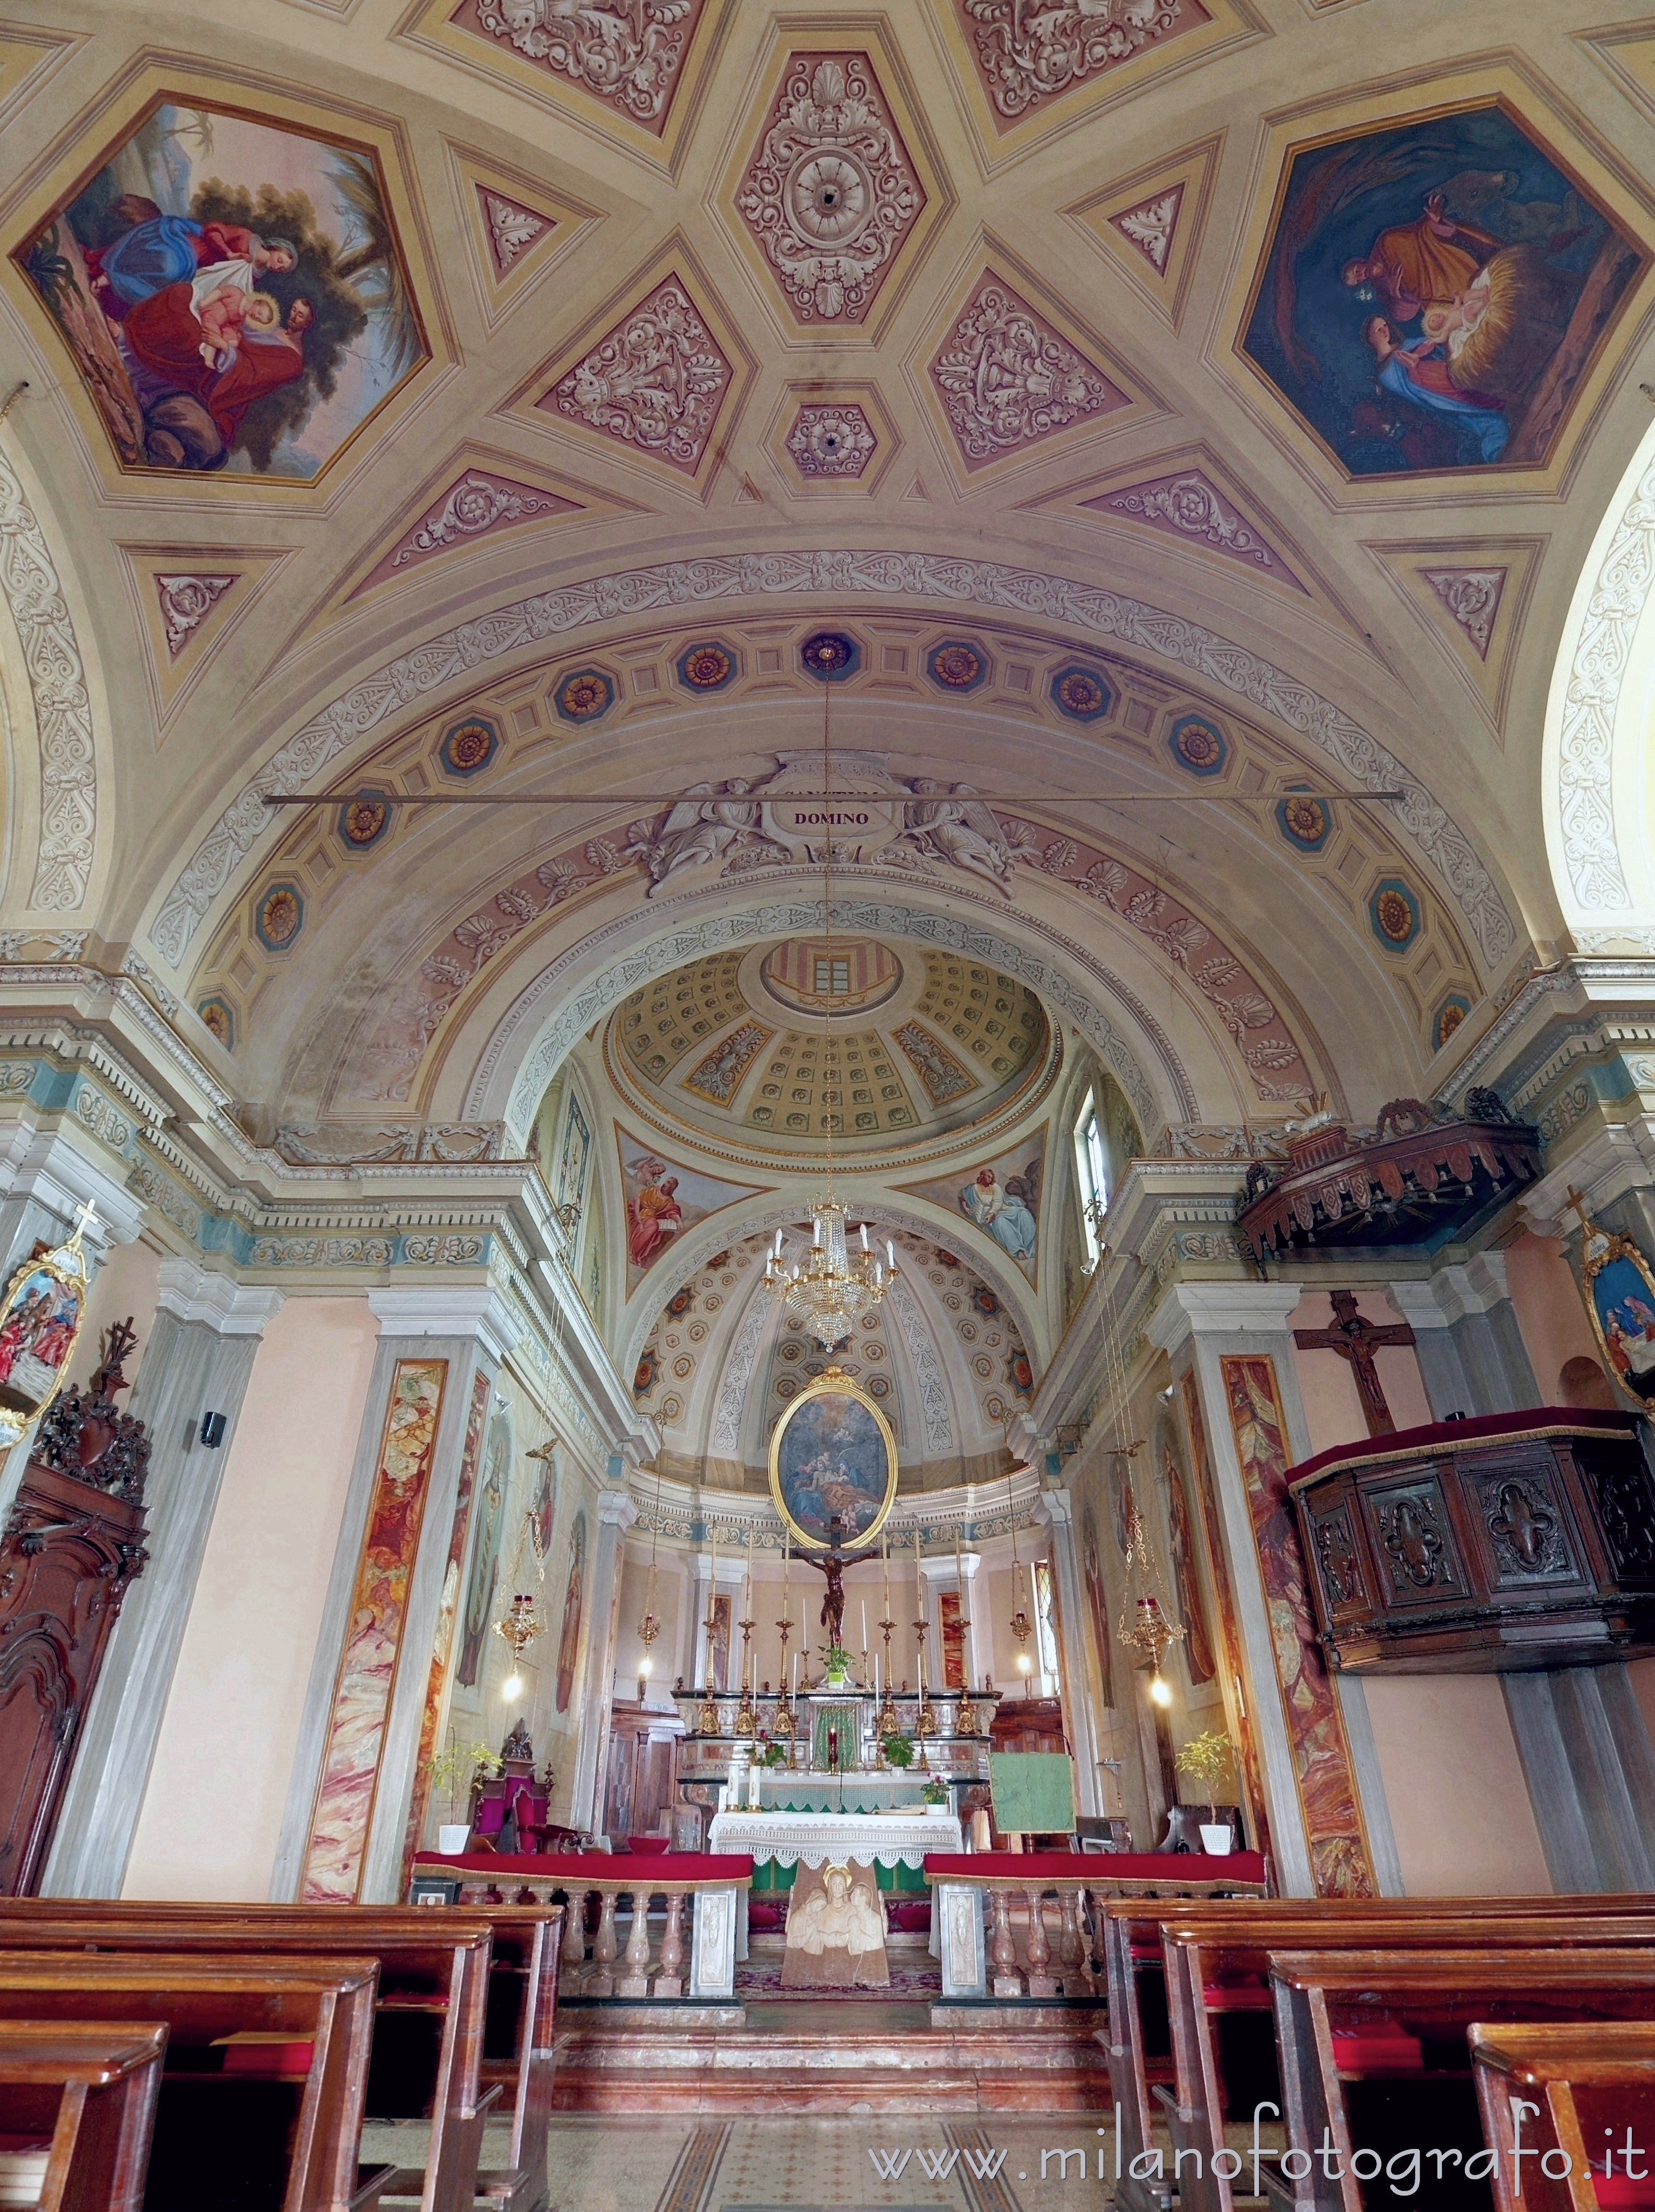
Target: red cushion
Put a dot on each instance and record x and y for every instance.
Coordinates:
(1099, 1868)
(1377, 2046)
(651, 1845)
(1478, 1429)
(565, 1869)
(909, 1914)
(1619, 2192)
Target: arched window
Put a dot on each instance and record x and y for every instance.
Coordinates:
(1091, 1181)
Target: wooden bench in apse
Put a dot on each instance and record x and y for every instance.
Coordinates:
(89, 2092)
(439, 2000)
(261, 2098)
(1585, 2137)
(1375, 2060)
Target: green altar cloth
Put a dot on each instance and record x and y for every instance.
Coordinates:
(1033, 1792)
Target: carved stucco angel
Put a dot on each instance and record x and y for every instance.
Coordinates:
(960, 827)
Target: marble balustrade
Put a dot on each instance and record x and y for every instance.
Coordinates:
(698, 1928)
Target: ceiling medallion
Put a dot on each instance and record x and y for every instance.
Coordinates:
(1027, 55)
(628, 53)
(830, 194)
(656, 381)
(832, 442)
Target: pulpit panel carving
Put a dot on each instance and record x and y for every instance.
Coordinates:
(1526, 1527)
(1626, 1509)
(1339, 1560)
(1416, 1542)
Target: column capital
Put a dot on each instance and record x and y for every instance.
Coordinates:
(1417, 1302)
(1221, 1310)
(939, 1570)
(60, 1177)
(1056, 1506)
(444, 1310)
(615, 1509)
(228, 1308)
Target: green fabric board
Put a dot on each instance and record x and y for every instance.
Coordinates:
(1033, 1792)
(769, 1877)
(847, 1719)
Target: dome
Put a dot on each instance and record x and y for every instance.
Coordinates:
(799, 1038)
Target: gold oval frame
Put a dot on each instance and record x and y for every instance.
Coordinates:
(64, 1267)
(832, 1381)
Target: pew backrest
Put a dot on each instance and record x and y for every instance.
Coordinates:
(94, 2088)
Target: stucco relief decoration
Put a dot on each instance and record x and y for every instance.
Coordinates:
(831, 193)
(511, 229)
(1471, 597)
(887, 576)
(1151, 226)
(1025, 55)
(1187, 505)
(832, 442)
(1007, 378)
(656, 381)
(469, 509)
(627, 53)
(63, 712)
(1254, 1024)
(186, 603)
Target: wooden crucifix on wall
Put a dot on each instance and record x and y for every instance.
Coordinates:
(1356, 1340)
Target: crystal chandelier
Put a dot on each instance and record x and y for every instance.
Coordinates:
(826, 1290)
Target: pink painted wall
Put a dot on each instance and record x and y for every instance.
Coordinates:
(1454, 1784)
(214, 1805)
(1548, 1308)
(127, 1285)
(1333, 1411)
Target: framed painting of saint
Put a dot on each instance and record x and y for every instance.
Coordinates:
(40, 1322)
(1620, 1291)
(833, 1464)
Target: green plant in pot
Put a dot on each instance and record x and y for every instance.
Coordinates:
(838, 1662)
(774, 1754)
(1210, 1760)
(935, 1791)
(899, 1750)
(451, 1769)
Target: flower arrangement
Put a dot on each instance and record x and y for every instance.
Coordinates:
(1209, 1759)
(461, 1762)
(899, 1750)
(775, 1754)
(935, 1791)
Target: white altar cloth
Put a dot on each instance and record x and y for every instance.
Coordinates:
(814, 1839)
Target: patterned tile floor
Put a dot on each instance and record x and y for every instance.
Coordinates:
(687, 2163)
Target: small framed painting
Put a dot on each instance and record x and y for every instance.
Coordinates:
(1620, 1298)
(40, 1323)
(833, 1464)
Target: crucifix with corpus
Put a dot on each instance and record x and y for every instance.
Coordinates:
(833, 1564)
(1356, 1340)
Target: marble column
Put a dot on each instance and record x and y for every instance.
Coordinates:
(1197, 1325)
(1056, 1507)
(1589, 1769)
(941, 1579)
(472, 1329)
(732, 1573)
(1468, 1341)
(198, 1361)
(616, 1514)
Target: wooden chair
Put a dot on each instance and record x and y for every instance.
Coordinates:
(261, 2100)
(90, 2091)
(1588, 2092)
(1375, 2059)
(438, 2005)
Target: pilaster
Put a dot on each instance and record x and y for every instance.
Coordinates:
(1470, 1344)
(1056, 1510)
(616, 1514)
(199, 1355)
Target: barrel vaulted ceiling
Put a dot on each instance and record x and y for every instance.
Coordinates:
(1136, 400)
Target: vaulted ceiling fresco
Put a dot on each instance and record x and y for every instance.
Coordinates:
(1135, 459)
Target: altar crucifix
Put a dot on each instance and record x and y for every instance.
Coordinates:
(832, 1564)
(1357, 1340)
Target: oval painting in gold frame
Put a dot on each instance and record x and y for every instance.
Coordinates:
(833, 1464)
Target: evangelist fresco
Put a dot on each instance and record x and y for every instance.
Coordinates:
(664, 1199)
(485, 1560)
(833, 1466)
(1432, 292)
(1001, 1198)
(230, 292)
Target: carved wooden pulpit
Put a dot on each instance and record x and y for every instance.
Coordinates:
(72, 1546)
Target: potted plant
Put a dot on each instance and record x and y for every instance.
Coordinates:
(899, 1750)
(936, 1795)
(838, 1662)
(459, 1763)
(775, 1754)
(1210, 1759)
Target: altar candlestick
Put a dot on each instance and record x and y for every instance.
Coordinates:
(864, 1628)
(884, 1559)
(876, 1678)
(796, 1674)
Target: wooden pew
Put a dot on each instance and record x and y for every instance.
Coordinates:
(439, 1967)
(1148, 1988)
(1375, 2060)
(90, 2091)
(1589, 2096)
(233, 2024)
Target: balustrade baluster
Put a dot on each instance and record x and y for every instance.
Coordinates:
(602, 1983)
(635, 1982)
(669, 1982)
(1008, 1983)
(1042, 1982)
(574, 1957)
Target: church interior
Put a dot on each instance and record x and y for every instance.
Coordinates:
(827, 1106)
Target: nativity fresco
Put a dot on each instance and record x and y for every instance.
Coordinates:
(231, 293)
(1432, 293)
